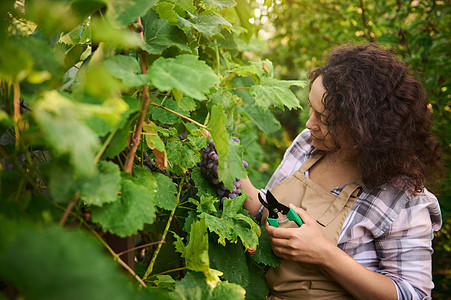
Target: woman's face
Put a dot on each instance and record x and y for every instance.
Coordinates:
(317, 116)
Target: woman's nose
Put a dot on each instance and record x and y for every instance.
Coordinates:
(311, 123)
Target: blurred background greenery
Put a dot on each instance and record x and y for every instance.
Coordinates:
(296, 36)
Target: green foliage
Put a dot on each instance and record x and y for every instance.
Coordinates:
(94, 99)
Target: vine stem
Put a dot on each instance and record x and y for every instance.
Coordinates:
(139, 247)
(166, 229)
(116, 256)
(144, 106)
(69, 209)
(17, 116)
(107, 142)
(180, 115)
(170, 271)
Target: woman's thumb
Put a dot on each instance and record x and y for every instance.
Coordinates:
(302, 213)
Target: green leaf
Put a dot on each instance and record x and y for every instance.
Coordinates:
(186, 73)
(166, 11)
(159, 34)
(125, 68)
(273, 92)
(135, 207)
(231, 261)
(166, 196)
(124, 12)
(187, 103)
(196, 251)
(115, 37)
(61, 128)
(216, 127)
(264, 253)
(61, 180)
(181, 156)
(232, 167)
(209, 24)
(102, 188)
(151, 135)
(207, 204)
(164, 116)
(194, 286)
(233, 224)
(221, 3)
(70, 261)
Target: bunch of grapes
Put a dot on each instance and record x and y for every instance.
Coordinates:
(209, 167)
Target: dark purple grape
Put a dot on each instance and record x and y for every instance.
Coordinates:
(236, 139)
(237, 184)
(211, 144)
(207, 149)
(222, 200)
(220, 192)
(215, 181)
(232, 195)
(182, 136)
(215, 169)
(210, 164)
(245, 164)
(236, 190)
(213, 156)
(222, 186)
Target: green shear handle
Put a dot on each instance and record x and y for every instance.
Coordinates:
(274, 207)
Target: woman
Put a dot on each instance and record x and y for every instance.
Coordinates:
(356, 177)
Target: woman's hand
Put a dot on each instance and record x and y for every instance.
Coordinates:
(305, 244)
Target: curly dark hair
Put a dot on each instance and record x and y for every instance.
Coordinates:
(382, 111)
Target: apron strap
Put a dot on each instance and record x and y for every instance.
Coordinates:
(309, 162)
(349, 193)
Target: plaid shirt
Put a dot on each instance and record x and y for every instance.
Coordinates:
(388, 230)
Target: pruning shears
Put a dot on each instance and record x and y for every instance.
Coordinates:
(274, 207)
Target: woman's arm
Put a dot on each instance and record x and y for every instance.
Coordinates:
(308, 244)
(252, 204)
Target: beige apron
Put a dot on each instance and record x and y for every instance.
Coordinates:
(293, 280)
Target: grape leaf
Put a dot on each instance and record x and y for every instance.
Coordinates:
(181, 156)
(208, 24)
(273, 92)
(232, 167)
(159, 34)
(264, 253)
(231, 261)
(196, 251)
(135, 207)
(202, 184)
(123, 12)
(186, 73)
(60, 176)
(74, 276)
(65, 133)
(233, 224)
(166, 10)
(194, 286)
(103, 187)
(163, 115)
(152, 139)
(125, 68)
(221, 3)
(166, 196)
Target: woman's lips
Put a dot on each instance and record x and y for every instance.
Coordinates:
(314, 138)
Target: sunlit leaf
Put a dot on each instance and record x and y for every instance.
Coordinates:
(186, 73)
